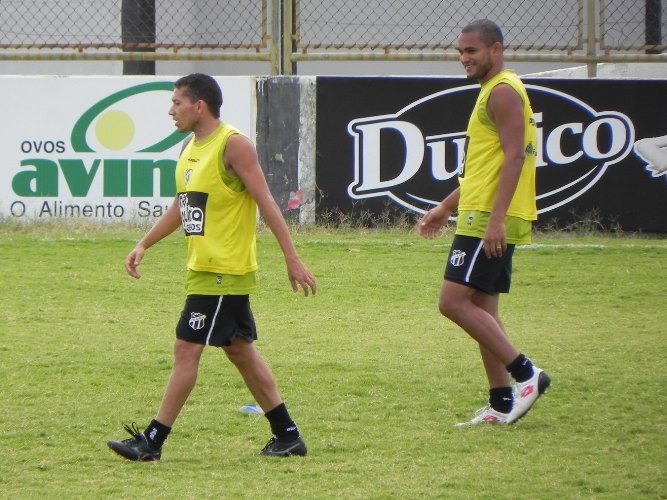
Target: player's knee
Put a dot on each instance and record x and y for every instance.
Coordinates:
(453, 307)
(186, 353)
(239, 352)
(446, 308)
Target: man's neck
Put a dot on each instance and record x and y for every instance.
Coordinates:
(491, 74)
(206, 129)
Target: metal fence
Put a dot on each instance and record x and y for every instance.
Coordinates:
(285, 32)
(432, 25)
(158, 24)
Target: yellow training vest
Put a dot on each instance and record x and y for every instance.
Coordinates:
(219, 223)
(480, 176)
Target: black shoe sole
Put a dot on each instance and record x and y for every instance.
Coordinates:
(543, 383)
(132, 457)
(298, 449)
(286, 454)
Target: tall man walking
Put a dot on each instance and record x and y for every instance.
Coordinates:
(495, 201)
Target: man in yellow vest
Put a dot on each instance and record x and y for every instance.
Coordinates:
(496, 205)
(219, 184)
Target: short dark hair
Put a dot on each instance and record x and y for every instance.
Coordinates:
(201, 87)
(489, 32)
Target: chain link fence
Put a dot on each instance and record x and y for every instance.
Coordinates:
(288, 31)
(427, 24)
(156, 24)
(633, 25)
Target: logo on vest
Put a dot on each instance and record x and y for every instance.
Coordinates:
(192, 205)
(197, 320)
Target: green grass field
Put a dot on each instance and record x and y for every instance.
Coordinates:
(374, 376)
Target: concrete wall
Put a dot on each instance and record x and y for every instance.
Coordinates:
(286, 142)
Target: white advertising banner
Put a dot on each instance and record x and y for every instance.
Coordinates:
(101, 148)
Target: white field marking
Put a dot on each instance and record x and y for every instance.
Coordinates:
(538, 246)
(534, 246)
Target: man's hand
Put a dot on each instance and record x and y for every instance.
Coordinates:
(494, 243)
(433, 222)
(299, 275)
(133, 260)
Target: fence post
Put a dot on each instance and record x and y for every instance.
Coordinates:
(137, 20)
(282, 37)
(591, 40)
(289, 67)
(653, 26)
(276, 46)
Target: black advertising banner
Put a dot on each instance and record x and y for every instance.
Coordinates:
(399, 142)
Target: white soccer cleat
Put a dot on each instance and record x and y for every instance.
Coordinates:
(526, 393)
(486, 415)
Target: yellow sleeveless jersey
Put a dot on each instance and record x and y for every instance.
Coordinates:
(219, 222)
(480, 174)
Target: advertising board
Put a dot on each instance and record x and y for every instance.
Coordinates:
(102, 148)
(602, 146)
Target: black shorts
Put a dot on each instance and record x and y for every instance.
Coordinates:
(468, 265)
(216, 320)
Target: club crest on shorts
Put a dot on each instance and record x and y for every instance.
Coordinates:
(458, 258)
(197, 320)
